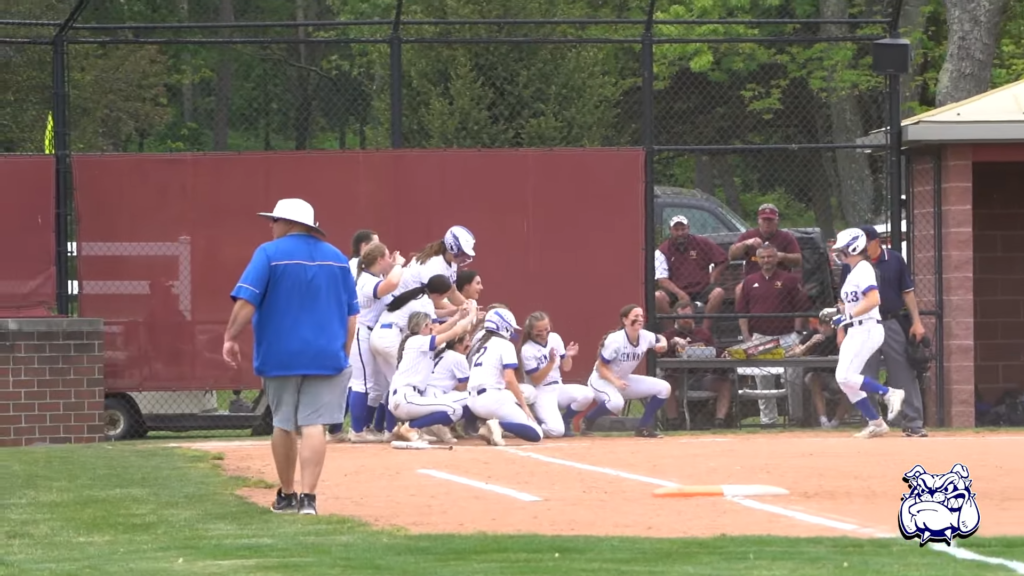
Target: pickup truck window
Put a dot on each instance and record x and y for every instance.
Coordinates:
(702, 222)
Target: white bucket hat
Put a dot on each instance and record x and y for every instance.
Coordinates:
(295, 210)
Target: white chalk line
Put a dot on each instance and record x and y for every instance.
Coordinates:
(493, 488)
(955, 551)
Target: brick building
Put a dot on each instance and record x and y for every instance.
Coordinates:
(964, 169)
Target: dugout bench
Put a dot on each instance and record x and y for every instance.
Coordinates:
(684, 367)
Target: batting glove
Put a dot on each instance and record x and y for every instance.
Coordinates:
(839, 321)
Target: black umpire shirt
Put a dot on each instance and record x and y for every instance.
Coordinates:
(894, 279)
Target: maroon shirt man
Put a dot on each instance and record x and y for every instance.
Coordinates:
(767, 231)
(771, 291)
(682, 266)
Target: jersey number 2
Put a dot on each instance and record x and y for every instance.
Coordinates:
(479, 357)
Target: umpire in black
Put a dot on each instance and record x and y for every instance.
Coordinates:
(901, 320)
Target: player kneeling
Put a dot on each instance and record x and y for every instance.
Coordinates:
(613, 380)
(495, 395)
(415, 363)
(545, 356)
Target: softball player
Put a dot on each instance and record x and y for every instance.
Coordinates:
(374, 290)
(387, 336)
(864, 333)
(449, 378)
(406, 399)
(443, 257)
(613, 380)
(495, 395)
(545, 355)
(360, 241)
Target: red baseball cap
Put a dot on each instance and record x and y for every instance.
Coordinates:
(768, 211)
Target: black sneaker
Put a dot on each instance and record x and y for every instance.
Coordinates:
(585, 426)
(647, 433)
(915, 433)
(286, 502)
(307, 504)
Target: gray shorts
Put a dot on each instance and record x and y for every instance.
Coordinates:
(297, 401)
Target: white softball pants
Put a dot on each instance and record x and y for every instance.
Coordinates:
(554, 398)
(384, 344)
(501, 405)
(859, 345)
(407, 405)
(453, 396)
(637, 387)
(364, 367)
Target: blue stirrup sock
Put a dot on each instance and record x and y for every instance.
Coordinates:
(469, 419)
(872, 386)
(601, 410)
(867, 409)
(389, 420)
(380, 418)
(357, 400)
(442, 418)
(568, 416)
(653, 405)
(523, 431)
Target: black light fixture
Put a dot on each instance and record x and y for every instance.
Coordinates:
(890, 56)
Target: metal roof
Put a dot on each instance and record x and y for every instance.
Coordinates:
(995, 116)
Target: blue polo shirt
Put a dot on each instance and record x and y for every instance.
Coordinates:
(304, 294)
(893, 280)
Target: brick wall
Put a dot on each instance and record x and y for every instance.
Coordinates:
(51, 381)
(958, 285)
(999, 278)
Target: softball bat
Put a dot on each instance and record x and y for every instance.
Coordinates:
(399, 445)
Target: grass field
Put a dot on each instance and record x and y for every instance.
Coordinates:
(144, 509)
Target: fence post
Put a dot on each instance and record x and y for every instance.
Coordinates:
(647, 134)
(395, 46)
(61, 165)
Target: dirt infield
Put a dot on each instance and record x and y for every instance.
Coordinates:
(604, 486)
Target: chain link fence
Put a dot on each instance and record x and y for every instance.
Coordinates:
(742, 121)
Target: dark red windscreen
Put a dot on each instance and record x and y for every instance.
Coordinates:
(164, 238)
(28, 273)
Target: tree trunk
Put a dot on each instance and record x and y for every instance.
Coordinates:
(187, 99)
(970, 49)
(853, 168)
(222, 99)
(703, 176)
(726, 179)
(912, 20)
(303, 112)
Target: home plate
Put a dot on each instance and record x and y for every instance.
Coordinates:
(724, 490)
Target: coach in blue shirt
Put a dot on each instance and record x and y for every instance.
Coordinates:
(896, 289)
(299, 295)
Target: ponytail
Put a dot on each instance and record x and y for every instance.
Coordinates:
(405, 297)
(417, 320)
(431, 250)
(481, 343)
(601, 345)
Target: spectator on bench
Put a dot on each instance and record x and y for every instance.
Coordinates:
(682, 269)
(773, 291)
(685, 333)
(822, 342)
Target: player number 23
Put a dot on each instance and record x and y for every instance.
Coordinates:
(852, 296)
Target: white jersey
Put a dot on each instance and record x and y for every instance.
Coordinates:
(488, 366)
(859, 282)
(353, 265)
(450, 369)
(417, 362)
(400, 317)
(535, 357)
(416, 274)
(621, 356)
(371, 306)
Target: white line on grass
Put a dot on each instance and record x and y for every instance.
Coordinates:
(955, 551)
(506, 491)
